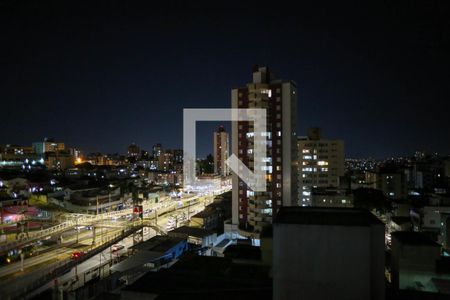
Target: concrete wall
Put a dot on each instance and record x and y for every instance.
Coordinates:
(328, 262)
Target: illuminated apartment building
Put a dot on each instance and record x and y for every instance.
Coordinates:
(321, 163)
(252, 211)
(48, 145)
(221, 151)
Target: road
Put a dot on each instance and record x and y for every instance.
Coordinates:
(12, 278)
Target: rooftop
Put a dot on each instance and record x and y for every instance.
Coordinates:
(192, 231)
(158, 243)
(413, 238)
(401, 220)
(202, 277)
(326, 216)
(205, 213)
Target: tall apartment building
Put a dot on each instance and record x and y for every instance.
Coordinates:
(221, 151)
(321, 163)
(157, 150)
(252, 211)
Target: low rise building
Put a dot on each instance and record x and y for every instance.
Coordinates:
(331, 197)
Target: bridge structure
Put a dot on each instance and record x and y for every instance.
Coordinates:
(77, 219)
(46, 279)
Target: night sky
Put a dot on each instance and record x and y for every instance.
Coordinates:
(102, 76)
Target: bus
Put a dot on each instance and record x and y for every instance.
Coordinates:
(14, 255)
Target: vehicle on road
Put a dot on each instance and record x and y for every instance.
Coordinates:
(77, 254)
(14, 255)
(117, 247)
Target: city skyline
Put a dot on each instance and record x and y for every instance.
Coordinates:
(225, 150)
(104, 81)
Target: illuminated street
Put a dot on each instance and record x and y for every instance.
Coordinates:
(46, 258)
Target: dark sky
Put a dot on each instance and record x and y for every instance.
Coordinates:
(102, 76)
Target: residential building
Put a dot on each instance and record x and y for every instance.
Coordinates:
(221, 151)
(157, 150)
(48, 145)
(59, 160)
(392, 181)
(252, 211)
(331, 197)
(133, 151)
(321, 164)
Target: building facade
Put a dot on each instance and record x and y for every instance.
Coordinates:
(392, 181)
(133, 151)
(221, 151)
(252, 211)
(328, 253)
(48, 145)
(321, 164)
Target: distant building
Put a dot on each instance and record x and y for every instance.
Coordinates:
(59, 161)
(331, 197)
(221, 151)
(99, 159)
(157, 150)
(321, 164)
(16, 149)
(328, 253)
(252, 211)
(166, 160)
(94, 200)
(391, 181)
(177, 156)
(134, 151)
(48, 145)
(76, 153)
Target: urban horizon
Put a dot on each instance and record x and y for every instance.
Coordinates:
(188, 150)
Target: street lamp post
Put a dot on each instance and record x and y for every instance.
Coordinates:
(78, 229)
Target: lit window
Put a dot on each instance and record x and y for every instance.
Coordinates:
(267, 92)
(267, 168)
